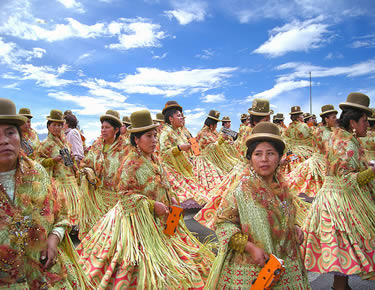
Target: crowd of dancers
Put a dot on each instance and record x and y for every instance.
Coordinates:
(302, 193)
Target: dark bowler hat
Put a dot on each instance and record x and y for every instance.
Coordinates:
(327, 109)
(56, 116)
(357, 101)
(265, 131)
(260, 107)
(295, 110)
(111, 115)
(226, 119)
(141, 121)
(126, 120)
(214, 115)
(159, 117)
(8, 113)
(25, 112)
(244, 116)
(372, 117)
(279, 116)
(306, 116)
(171, 104)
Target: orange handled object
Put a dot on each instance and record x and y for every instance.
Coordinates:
(269, 275)
(194, 146)
(172, 220)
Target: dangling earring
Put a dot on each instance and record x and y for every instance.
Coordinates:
(137, 148)
(354, 133)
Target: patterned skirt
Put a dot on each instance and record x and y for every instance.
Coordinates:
(68, 187)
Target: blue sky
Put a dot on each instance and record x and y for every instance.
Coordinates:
(90, 56)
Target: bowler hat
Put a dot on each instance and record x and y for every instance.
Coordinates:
(295, 110)
(171, 104)
(126, 120)
(357, 101)
(260, 107)
(279, 116)
(244, 116)
(56, 116)
(141, 121)
(214, 115)
(226, 119)
(111, 115)
(266, 131)
(159, 117)
(8, 113)
(306, 116)
(25, 112)
(327, 109)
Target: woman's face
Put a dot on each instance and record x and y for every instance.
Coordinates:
(123, 129)
(331, 120)
(55, 128)
(361, 126)
(265, 160)
(177, 120)
(227, 124)
(26, 127)
(108, 132)
(10, 145)
(147, 142)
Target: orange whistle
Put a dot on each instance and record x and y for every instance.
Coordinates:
(269, 275)
(172, 220)
(194, 146)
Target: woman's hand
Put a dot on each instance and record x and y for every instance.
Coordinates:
(160, 209)
(57, 158)
(300, 235)
(184, 147)
(174, 201)
(50, 254)
(259, 256)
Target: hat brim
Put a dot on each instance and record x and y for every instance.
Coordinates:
(27, 115)
(265, 137)
(18, 120)
(279, 119)
(213, 118)
(296, 113)
(170, 107)
(346, 105)
(226, 120)
(327, 112)
(55, 120)
(259, 113)
(142, 129)
(158, 120)
(111, 117)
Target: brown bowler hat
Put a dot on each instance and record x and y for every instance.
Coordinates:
(295, 110)
(357, 101)
(260, 107)
(226, 119)
(266, 131)
(279, 116)
(327, 109)
(214, 115)
(8, 113)
(159, 117)
(306, 116)
(372, 117)
(244, 116)
(171, 104)
(111, 115)
(25, 112)
(56, 116)
(141, 121)
(126, 120)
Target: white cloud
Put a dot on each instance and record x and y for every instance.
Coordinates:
(164, 55)
(195, 119)
(333, 55)
(154, 81)
(72, 4)
(365, 41)
(213, 98)
(295, 36)
(96, 90)
(206, 54)
(139, 34)
(187, 11)
(10, 53)
(13, 86)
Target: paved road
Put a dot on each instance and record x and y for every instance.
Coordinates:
(317, 281)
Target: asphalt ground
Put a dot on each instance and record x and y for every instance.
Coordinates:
(317, 281)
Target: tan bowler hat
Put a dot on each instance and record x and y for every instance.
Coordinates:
(295, 110)
(327, 109)
(141, 121)
(126, 120)
(260, 107)
(171, 104)
(111, 115)
(266, 131)
(372, 117)
(244, 116)
(8, 113)
(56, 116)
(357, 101)
(159, 117)
(25, 112)
(306, 116)
(279, 116)
(214, 115)
(226, 119)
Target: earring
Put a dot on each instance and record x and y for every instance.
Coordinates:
(354, 132)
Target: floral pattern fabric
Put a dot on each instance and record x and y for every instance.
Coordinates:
(30, 142)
